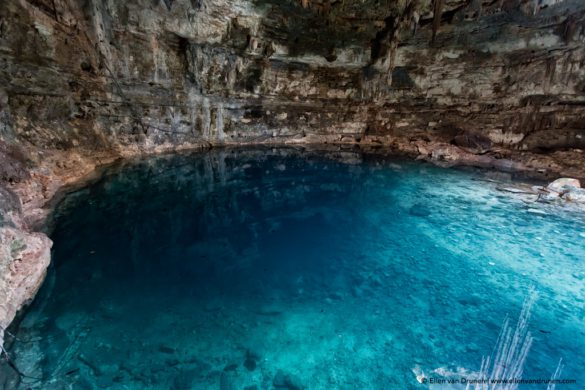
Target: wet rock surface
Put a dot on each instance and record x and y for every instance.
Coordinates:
(563, 185)
(563, 189)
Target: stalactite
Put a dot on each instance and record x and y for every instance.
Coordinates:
(551, 66)
(168, 4)
(570, 28)
(438, 6)
(415, 19)
(219, 122)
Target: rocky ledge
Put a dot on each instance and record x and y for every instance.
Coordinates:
(24, 258)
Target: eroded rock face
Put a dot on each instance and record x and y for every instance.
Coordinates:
(137, 74)
(24, 258)
(478, 82)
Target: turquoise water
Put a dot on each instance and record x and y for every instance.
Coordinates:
(281, 269)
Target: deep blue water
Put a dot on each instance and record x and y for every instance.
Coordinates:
(342, 271)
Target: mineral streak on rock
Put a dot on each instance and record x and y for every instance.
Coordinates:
(486, 83)
(140, 74)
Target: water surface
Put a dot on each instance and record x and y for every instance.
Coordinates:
(239, 268)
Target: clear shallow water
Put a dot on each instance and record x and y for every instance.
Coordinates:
(217, 270)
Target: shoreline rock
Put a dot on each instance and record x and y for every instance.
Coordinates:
(563, 189)
(24, 259)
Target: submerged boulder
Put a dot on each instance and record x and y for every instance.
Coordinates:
(284, 380)
(227, 381)
(252, 357)
(419, 210)
(576, 195)
(548, 196)
(563, 185)
(566, 189)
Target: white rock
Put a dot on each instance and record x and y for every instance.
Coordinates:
(548, 196)
(560, 185)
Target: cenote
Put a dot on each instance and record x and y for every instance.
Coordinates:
(288, 269)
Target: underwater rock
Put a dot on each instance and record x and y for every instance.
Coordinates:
(184, 380)
(95, 369)
(279, 379)
(172, 362)
(561, 185)
(566, 189)
(83, 384)
(576, 195)
(227, 381)
(230, 367)
(105, 382)
(250, 364)
(284, 380)
(357, 291)
(167, 349)
(419, 210)
(252, 353)
(294, 383)
(548, 196)
(251, 360)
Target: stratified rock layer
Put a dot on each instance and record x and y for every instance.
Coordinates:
(135, 74)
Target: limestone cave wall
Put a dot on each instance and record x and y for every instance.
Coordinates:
(104, 74)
